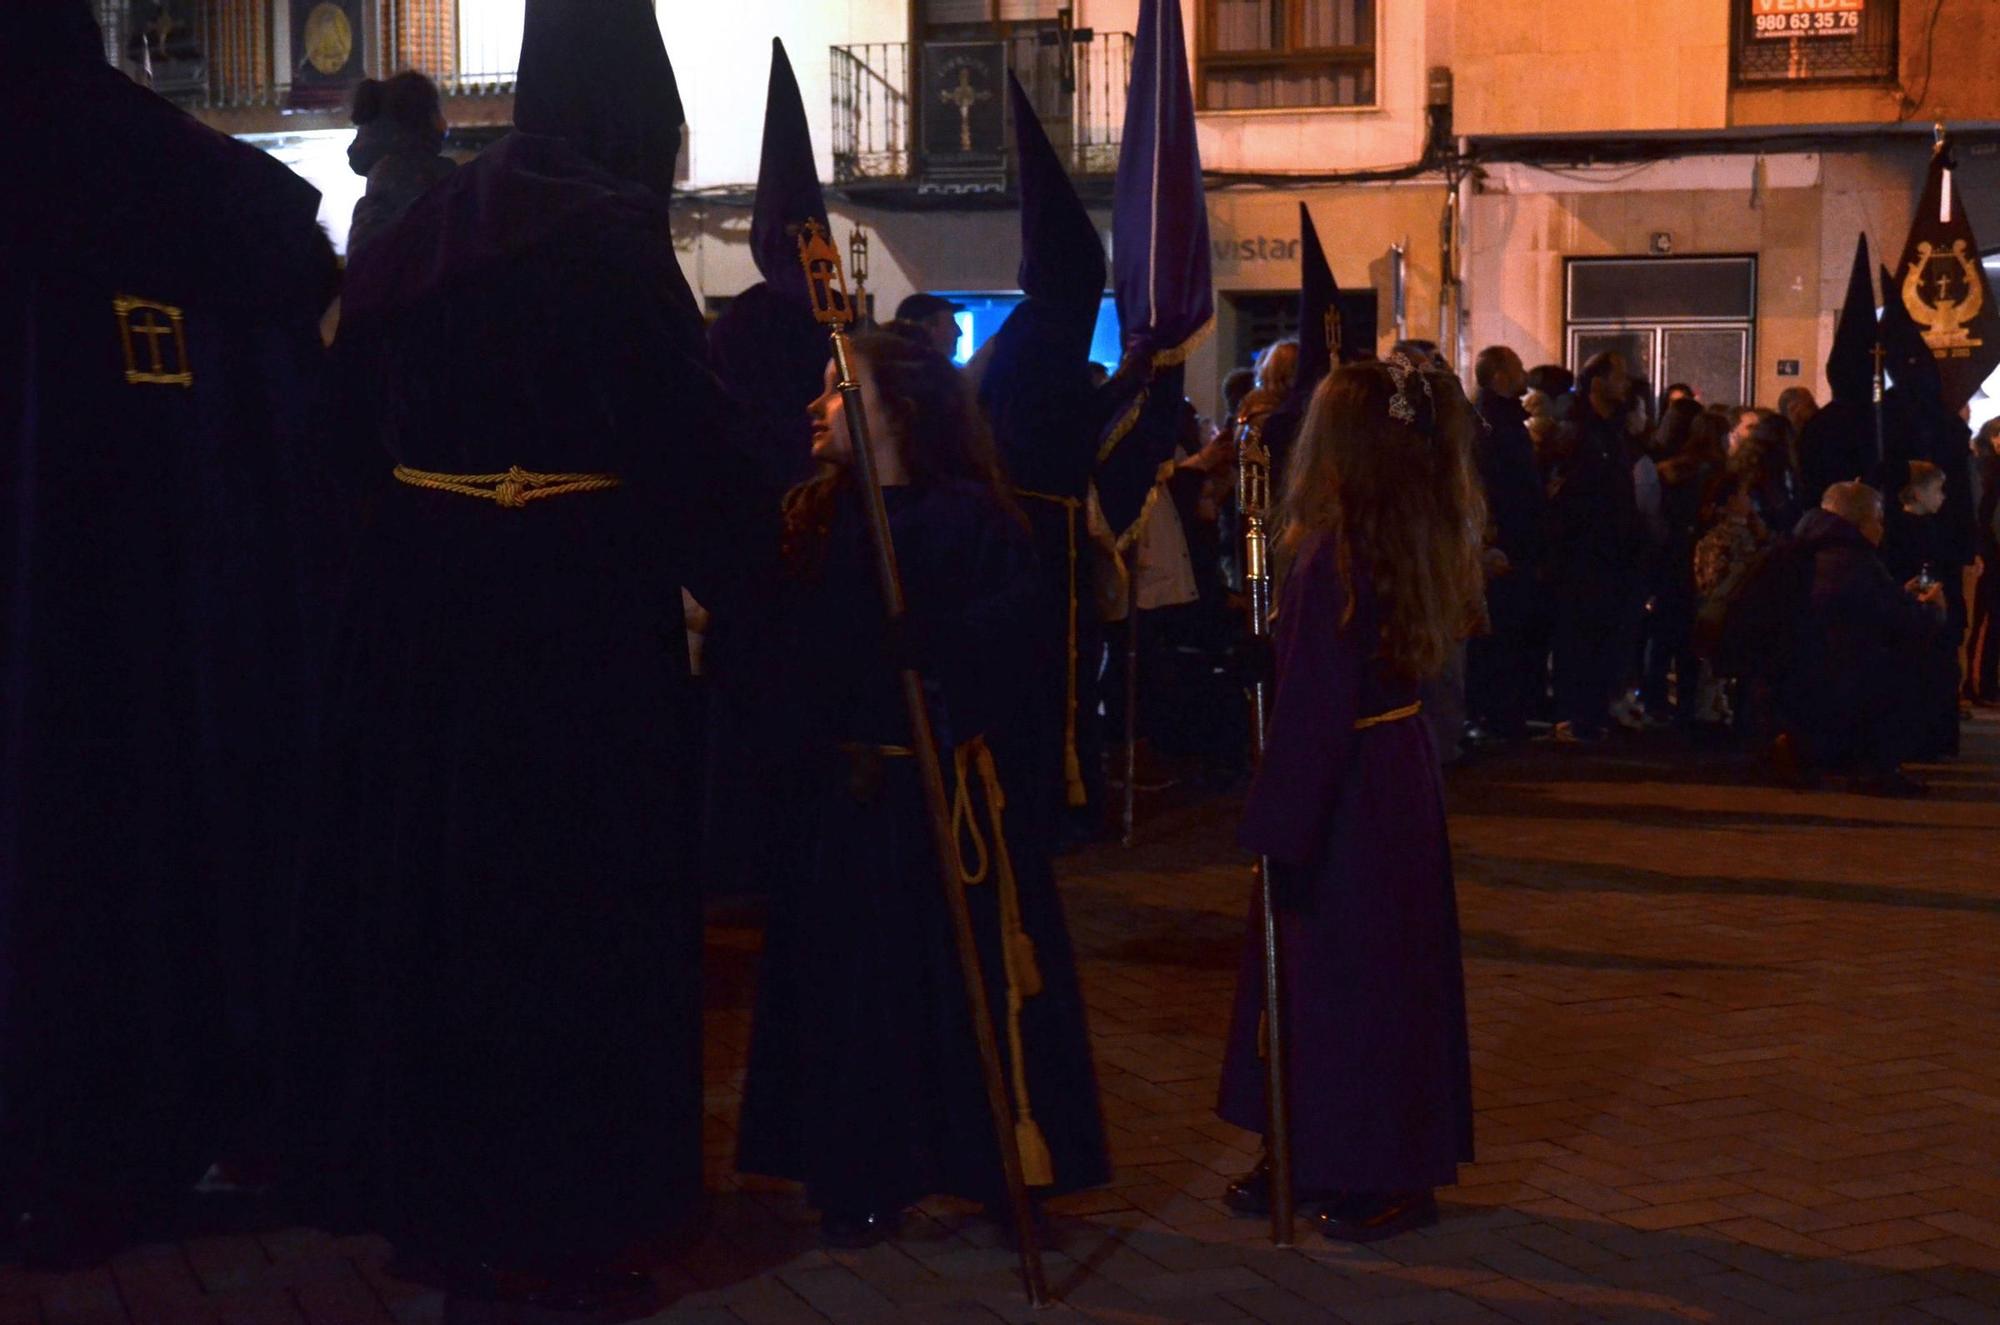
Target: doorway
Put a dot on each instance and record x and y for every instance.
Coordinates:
(1689, 320)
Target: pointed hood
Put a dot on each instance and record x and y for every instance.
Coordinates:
(1062, 258)
(595, 74)
(1320, 338)
(1850, 368)
(787, 182)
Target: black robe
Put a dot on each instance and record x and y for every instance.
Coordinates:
(504, 1020)
(863, 1081)
(164, 534)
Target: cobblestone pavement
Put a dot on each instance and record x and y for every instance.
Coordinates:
(1736, 1054)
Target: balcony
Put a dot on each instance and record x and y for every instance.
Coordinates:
(243, 56)
(934, 115)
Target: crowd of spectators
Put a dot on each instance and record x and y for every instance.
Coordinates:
(1657, 560)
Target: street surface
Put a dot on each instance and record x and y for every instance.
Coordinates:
(1736, 1055)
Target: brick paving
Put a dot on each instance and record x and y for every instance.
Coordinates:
(1736, 1056)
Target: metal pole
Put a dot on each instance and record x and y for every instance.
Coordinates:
(1253, 500)
(822, 263)
(1880, 355)
(1130, 834)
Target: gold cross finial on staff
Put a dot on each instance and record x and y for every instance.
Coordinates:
(826, 282)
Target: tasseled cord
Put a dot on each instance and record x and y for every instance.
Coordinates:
(1017, 950)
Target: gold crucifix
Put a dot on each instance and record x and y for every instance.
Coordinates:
(965, 96)
(156, 323)
(1878, 352)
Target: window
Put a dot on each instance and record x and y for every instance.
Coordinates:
(1674, 319)
(1776, 42)
(1271, 54)
(1262, 318)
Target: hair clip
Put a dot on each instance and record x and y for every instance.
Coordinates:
(1402, 405)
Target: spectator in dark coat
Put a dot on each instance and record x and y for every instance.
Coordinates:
(1595, 547)
(1501, 665)
(398, 135)
(1689, 450)
(1855, 697)
(1764, 458)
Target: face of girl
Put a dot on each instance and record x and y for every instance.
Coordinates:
(832, 444)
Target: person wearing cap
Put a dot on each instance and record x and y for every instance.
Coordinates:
(500, 994)
(936, 315)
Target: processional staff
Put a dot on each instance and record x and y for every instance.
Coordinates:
(835, 309)
(1253, 502)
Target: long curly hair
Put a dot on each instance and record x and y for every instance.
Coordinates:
(934, 421)
(1400, 500)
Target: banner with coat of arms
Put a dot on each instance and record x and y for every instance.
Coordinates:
(327, 51)
(1943, 285)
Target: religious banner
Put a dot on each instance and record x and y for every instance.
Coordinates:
(163, 46)
(1942, 284)
(963, 106)
(327, 51)
(1160, 257)
(1789, 19)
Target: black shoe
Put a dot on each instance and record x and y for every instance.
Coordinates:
(1377, 1218)
(1250, 1195)
(850, 1231)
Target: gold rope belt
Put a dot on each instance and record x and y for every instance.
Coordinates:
(1393, 715)
(1075, 791)
(513, 489)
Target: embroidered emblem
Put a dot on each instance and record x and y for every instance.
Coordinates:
(329, 39)
(155, 342)
(1943, 293)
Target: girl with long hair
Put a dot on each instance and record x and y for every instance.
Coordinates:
(1378, 545)
(863, 1079)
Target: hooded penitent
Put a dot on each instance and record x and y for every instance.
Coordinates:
(1839, 442)
(766, 346)
(161, 535)
(595, 74)
(1321, 343)
(1035, 388)
(503, 999)
(1035, 379)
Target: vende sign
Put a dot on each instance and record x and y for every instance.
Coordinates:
(1806, 18)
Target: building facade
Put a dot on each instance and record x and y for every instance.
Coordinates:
(1684, 182)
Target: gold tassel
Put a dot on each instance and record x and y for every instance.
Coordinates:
(1038, 1168)
(1017, 950)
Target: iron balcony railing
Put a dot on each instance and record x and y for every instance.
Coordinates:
(230, 54)
(899, 116)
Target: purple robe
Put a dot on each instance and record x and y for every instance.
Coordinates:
(1353, 821)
